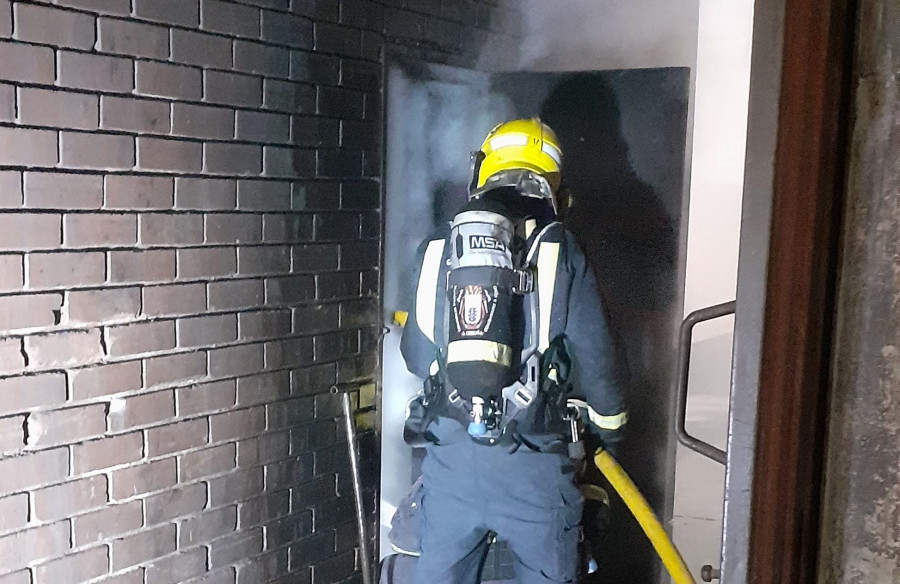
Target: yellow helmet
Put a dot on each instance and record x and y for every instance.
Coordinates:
(516, 153)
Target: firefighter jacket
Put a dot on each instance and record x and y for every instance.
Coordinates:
(569, 307)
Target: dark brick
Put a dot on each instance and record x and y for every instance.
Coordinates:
(228, 550)
(364, 14)
(129, 577)
(64, 349)
(360, 255)
(177, 437)
(340, 102)
(139, 192)
(264, 195)
(62, 28)
(332, 460)
(341, 40)
(289, 97)
(52, 190)
(263, 568)
(337, 568)
(178, 568)
(205, 193)
(95, 306)
(107, 453)
(202, 121)
(232, 159)
(312, 549)
(359, 135)
(121, 7)
(223, 576)
(307, 495)
(289, 162)
(203, 464)
(232, 89)
(317, 9)
(143, 547)
(360, 195)
(12, 273)
(236, 294)
(138, 338)
(229, 18)
(23, 472)
(26, 231)
(290, 289)
(234, 361)
(264, 324)
(264, 449)
(237, 424)
(197, 48)
(264, 260)
(179, 502)
(235, 487)
(105, 380)
(263, 388)
(165, 80)
(135, 115)
(208, 526)
(284, 353)
(100, 230)
(25, 547)
(263, 127)
(112, 521)
(287, 228)
(58, 427)
(66, 270)
(181, 12)
(95, 72)
(233, 228)
(289, 413)
(335, 513)
(315, 258)
(11, 359)
(142, 266)
(205, 262)
(58, 109)
(169, 155)
(143, 478)
(316, 196)
(133, 38)
(260, 58)
(174, 299)
(207, 330)
(11, 189)
(337, 285)
(141, 410)
(287, 473)
(357, 314)
(28, 311)
(12, 436)
(175, 368)
(287, 29)
(339, 163)
(99, 151)
(206, 398)
(67, 499)
(315, 132)
(166, 229)
(264, 508)
(14, 511)
(288, 529)
(315, 68)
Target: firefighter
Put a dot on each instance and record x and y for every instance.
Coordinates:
(497, 458)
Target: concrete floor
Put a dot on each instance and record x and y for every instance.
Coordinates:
(699, 481)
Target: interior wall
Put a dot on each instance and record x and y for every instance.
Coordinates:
(189, 240)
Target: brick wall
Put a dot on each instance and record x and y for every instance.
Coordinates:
(189, 250)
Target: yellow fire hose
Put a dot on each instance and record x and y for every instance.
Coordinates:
(638, 506)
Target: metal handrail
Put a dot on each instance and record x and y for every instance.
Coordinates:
(684, 364)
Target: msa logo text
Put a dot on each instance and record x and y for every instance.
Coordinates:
(486, 242)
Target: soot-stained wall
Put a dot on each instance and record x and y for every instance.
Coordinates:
(189, 242)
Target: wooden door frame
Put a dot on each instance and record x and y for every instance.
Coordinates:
(809, 168)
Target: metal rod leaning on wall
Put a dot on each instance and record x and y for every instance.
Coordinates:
(350, 426)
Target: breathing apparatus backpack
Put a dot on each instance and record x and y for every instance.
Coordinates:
(489, 367)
